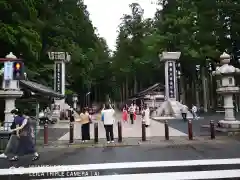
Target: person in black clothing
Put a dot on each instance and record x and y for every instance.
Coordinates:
(24, 133)
(13, 140)
(131, 112)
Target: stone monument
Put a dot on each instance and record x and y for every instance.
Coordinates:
(10, 91)
(60, 59)
(170, 108)
(227, 89)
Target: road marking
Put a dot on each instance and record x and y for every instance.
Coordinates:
(128, 165)
(167, 176)
(190, 175)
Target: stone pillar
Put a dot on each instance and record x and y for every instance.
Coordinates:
(9, 106)
(59, 81)
(229, 108)
(169, 58)
(60, 58)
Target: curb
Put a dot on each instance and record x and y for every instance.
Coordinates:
(173, 119)
(160, 143)
(82, 146)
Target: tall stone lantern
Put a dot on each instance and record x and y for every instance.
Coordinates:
(227, 89)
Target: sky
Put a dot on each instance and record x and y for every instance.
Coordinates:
(106, 14)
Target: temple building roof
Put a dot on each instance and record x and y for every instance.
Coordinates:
(39, 88)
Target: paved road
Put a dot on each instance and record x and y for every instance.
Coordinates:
(67, 156)
(177, 128)
(144, 153)
(197, 130)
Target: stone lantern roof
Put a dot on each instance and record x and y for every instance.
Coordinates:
(226, 69)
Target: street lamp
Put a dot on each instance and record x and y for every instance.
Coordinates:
(75, 100)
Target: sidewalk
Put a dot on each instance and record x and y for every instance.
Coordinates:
(156, 129)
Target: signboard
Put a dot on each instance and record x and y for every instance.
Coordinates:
(8, 70)
(171, 82)
(58, 78)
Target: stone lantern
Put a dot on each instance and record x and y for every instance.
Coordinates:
(227, 89)
(10, 89)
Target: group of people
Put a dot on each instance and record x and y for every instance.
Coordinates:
(21, 140)
(107, 116)
(145, 113)
(85, 119)
(108, 119)
(184, 111)
(132, 113)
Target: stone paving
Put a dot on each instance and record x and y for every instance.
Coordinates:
(128, 130)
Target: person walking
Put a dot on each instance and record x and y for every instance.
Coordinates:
(124, 115)
(13, 140)
(85, 120)
(184, 111)
(131, 113)
(194, 112)
(24, 133)
(146, 116)
(108, 121)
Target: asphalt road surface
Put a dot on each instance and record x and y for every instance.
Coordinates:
(197, 130)
(132, 155)
(143, 153)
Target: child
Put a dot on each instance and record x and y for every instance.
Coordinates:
(124, 114)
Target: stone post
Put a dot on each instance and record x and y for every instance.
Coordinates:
(169, 58)
(60, 58)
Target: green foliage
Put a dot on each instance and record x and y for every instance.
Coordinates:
(199, 29)
(31, 28)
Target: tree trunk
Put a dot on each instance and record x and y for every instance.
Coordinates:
(135, 85)
(195, 89)
(182, 90)
(205, 89)
(121, 97)
(126, 88)
(95, 94)
(123, 92)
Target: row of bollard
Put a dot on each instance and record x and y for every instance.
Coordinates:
(190, 130)
(166, 127)
(71, 133)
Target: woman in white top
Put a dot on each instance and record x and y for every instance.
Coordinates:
(146, 115)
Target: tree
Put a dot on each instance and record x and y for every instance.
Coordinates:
(132, 57)
(200, 30)
(32, 28)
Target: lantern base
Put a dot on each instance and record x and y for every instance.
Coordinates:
(229, 124)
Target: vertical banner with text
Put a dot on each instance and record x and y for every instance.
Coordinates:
(58, 78)
(171, 80)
